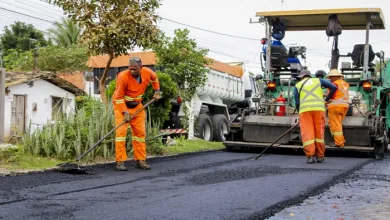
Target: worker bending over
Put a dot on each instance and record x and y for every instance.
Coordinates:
(338, 107)
(311, 107)
(130, 86)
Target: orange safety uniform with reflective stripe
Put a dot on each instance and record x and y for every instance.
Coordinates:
(312, 124)
(341, 96)
(128, 89)
(337, 110)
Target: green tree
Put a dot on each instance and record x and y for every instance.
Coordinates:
(378, 64)
(113, 27)
(181, 58)
(65, 33)
(186, 63)
(22, 37)
(56, 58)
(160, 110)
(19, 61)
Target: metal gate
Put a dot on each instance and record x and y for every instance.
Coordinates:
(18, 119)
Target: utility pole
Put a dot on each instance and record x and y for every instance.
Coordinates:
(2, 98)
(35, 55)
(281, 5)
(35, 52)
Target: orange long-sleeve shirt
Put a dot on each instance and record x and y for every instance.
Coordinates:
(129, 89)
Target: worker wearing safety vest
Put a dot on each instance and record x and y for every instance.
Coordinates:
(338, 107)
(311, 107)
(130, 86)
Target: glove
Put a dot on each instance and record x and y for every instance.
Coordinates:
(157, 95)
(127, 117)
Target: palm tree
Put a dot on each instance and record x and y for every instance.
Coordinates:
(65, 33)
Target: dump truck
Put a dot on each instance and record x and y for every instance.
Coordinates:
(228, 89)
(366, 126)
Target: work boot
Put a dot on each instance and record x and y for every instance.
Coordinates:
(141, 164)
(120, 166)
(320, 159)
(310, 160)
(334, 145)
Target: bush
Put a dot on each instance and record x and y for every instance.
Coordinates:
(10, 154)
(87, 103)
(72, 136)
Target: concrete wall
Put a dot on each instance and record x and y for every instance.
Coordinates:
(89, 88)
(41, 94)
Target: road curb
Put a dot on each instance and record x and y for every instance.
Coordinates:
(150, 158)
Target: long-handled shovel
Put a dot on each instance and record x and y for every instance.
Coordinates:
(290, 129)
(72, 168)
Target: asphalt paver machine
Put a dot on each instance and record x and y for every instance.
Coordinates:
(365, 127)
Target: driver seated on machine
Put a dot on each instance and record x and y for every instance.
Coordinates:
(311, 107)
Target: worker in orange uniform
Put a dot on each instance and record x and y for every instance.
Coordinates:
(338, 107)
(130, 86)
(311, 107)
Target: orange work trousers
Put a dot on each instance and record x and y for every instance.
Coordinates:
(312, 124)
(336, 116)
(137, 124)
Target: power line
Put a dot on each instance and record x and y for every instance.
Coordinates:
(30, 7)
(213, 51)
(246, 38)
(4, 9)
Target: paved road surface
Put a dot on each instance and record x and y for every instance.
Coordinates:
(218, 185)
(364, 194)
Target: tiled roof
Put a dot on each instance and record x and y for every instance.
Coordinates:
(149, 58)
(16, 78)
(76, 78)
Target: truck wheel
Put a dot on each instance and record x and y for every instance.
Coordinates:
(205, 127)
(220, 127)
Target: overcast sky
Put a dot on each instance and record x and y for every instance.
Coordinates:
(229, 17)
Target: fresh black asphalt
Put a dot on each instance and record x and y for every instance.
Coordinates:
(214, 185)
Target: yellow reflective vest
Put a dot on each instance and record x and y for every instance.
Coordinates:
(311, 97)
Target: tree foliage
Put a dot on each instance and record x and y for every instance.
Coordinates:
(21, 37)
(378, 64)
(160, 110)
(50, 58)
(60, 59)
(113, 27)
(19, 61)
(181, 58)
(65, 33)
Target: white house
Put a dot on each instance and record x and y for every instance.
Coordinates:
(36, 97)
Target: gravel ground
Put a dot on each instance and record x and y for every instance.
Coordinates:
(363, 194)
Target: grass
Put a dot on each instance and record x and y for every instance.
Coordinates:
(188, 146)
(15, 159)
(30, 163)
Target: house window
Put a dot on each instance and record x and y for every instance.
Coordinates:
(57, 106)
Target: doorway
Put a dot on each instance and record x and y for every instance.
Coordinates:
(18, 115)
(56, 104)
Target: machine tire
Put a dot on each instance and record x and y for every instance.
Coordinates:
(205, 127)
(379, 151)
(220, 127)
